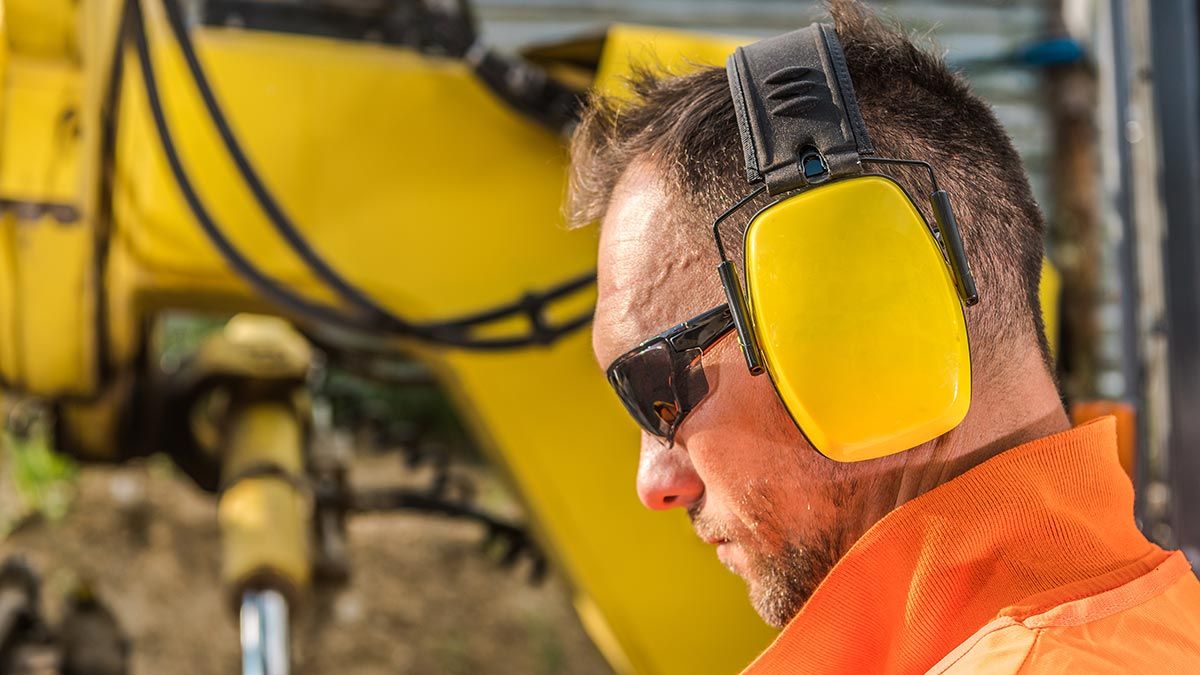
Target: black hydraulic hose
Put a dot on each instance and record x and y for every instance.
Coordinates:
(263, 283)
(275, 213)
(450, 333)
(522, 305)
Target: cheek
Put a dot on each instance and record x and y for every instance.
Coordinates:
(740, 438)
(757, 468)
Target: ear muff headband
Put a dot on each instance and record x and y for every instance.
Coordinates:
(792, 94)
(854, 304)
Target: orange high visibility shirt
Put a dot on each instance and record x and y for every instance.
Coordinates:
(1028, 563)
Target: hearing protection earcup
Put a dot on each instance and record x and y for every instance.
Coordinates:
(858, 319)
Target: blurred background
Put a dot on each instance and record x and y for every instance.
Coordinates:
(294, 363)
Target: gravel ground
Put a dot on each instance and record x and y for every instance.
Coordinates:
(422, 597)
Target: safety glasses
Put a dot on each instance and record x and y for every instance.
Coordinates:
(661, 380)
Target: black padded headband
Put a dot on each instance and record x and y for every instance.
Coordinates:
(793, 93)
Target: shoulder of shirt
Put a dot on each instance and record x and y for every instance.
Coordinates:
(1150, 624)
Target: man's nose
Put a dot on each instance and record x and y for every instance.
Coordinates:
(666, 478)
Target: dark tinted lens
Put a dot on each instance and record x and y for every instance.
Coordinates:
(661, 381)
(643, 381)
(691, 386)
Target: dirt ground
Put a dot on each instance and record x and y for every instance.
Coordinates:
(422, 597)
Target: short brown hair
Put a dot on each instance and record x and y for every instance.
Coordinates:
(914, 107)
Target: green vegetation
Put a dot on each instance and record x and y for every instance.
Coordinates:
(547, 641)
(34, 480)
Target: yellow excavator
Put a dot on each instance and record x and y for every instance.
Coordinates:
(347, 179)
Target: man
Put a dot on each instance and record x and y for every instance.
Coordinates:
(1005, 544)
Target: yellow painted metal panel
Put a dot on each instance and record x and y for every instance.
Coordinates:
(8, 301)
(54, 322)
(1048, 294)
(39, 158)
(4, 48)
(627, 48)
(43, 28)
(8, 291)
(47, 263)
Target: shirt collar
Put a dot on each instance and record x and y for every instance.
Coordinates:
(1056, 512)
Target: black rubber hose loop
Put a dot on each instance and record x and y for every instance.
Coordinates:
(372, 317)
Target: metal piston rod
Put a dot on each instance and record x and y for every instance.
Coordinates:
(264, 627)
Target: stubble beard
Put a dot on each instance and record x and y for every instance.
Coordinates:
(781, 583)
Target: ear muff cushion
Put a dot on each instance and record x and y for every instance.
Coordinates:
(858, 319)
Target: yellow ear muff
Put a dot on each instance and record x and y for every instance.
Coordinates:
(858, 319)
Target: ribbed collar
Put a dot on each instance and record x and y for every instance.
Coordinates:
(1051, 518)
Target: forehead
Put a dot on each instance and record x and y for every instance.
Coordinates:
(654, 271)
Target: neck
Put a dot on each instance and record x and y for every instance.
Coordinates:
(1007, 409)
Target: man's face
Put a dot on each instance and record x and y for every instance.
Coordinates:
(778, 512)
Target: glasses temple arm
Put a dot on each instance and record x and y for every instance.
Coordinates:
(733, 289)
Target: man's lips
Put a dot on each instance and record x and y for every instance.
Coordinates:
(726, 549)
(708, 531)
(729, 554)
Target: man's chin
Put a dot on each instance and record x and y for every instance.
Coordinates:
(779, 585)
(765, 596)
(775, 605)
(779, 582)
